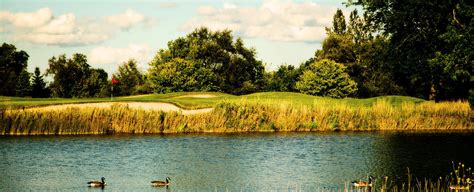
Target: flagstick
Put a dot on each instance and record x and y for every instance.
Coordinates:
(112, 92)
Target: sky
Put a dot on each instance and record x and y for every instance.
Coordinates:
(110, 32)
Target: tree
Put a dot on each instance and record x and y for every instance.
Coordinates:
(12, 63)
(74, 78)
(182, 75)
(374, 73)
(284, 79)
(23, 87)
(364, 55)
(419, 48)
(338, 47)
(453, 66)
(326, 78)
(339, 23)
(358, 27)
(206, 61)
(130, 78)
(38, 85)
(93, 84)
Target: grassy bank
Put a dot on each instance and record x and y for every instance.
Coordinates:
(263, 112)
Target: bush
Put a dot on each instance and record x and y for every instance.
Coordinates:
(326, 78)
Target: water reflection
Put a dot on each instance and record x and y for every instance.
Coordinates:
(247, 162)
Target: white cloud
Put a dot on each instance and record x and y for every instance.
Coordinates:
(64, 24)
(127, 19)
(63, 39)
(42, 27)
(27, 19)
(110, 55)
(273, 19)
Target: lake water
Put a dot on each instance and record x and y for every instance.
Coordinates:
(235, 162)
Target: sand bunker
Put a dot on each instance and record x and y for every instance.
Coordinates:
(167, 107)
(196, 96)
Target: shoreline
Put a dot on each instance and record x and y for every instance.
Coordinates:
(230, 133)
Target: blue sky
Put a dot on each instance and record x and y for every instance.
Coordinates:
(112, 31)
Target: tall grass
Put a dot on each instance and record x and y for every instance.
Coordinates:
(241, 116)
(461, 175)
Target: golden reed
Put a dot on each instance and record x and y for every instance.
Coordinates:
(241, 116)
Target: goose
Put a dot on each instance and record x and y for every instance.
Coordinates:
(363, 183)
(467, 186)
(459, 187)
(97, 183)
(161, 183)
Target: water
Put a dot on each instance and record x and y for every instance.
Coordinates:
(236, 162)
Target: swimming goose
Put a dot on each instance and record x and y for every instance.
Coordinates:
(459, 187)
(363, 183)
(97, 183)
(467, 186)
(161, 183)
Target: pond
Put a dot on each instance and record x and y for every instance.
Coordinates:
(226, 162)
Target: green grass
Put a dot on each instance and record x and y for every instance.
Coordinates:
(18, 102)
(180, 99)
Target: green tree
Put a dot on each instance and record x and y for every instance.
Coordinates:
(284, 79)
(364, 55)
(418, 32)
(339, 23)
(453, 66)
(38, 85)
(94, 82)
(182, 75)
(338, 47)
(374, 75)
(130, 78)
(206, 61)
(326, 78)
(23, 87)
(74, 78)
(12, 63)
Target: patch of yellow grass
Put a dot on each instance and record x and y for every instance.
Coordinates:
(240, 116)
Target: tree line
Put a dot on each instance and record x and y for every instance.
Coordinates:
(71, 77)
(416, 48)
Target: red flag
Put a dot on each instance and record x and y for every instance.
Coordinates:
(114, 80)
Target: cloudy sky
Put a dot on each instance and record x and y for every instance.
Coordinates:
(110, 32)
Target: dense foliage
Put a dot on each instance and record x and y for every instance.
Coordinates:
(431, 44)
(326, 78)
(206, 61)
(130, 79)
(363, 52)
(38, 86)
(23, 86)
(74, 78)
(12, 64)
(284, 79)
